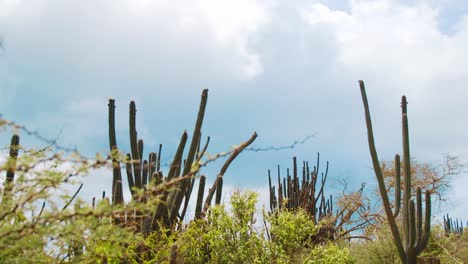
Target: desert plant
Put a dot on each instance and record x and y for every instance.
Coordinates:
(415, 237)
(452, 226)
(308, 193)
(143, 175)
(36, 221)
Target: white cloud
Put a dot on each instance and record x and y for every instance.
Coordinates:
(133, 39)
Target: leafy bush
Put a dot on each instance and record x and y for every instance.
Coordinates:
(292, 231)
(231, 237)
(227, 238)
(451, 248)
(55, 231)
(329, 254)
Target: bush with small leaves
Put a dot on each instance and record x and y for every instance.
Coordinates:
(329, 254)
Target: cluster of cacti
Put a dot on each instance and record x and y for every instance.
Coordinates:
(306, 192)
(182, 174)
(10, 176)
(416, 229)
(452, 226)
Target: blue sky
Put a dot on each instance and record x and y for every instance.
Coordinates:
(286, 69)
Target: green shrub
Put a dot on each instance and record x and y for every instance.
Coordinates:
(231, 237)
(329, 254)
(227, 238)
(292, 231)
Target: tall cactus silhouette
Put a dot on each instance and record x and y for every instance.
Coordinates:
(415, 236)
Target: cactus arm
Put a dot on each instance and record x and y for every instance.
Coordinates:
(176, 162)
(158, 162)
(427, 224)
(145, 173)
(151, 166)
(179, 194)
(173, 173)
(117, 192)
(201, 191)
(324, 179)
(219, 189)
(411, 253)
(412, 239)
(280, 190)
(271, 191)
(397, 186)
(134, 142)
(196, 133)
(419, 217)
(188, 194)
(203, 151)
(139, 165)
(128, 169)
(379, 175)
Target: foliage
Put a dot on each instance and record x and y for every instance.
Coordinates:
(379, 250)
(292, 231)
(329, 254)
(227, 237)
(414, 237)
(55, 231)
(231, 236)
(450, 248)
(141, 173)
(41, 222)
(307, 192)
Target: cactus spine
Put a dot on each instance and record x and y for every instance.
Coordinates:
(415, 237)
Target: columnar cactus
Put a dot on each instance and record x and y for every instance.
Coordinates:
(452, 226)
(306, 193)
(415, 236)
(140, 172)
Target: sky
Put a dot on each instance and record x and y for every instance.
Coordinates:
(285, 69)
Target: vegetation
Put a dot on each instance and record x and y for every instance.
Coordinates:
(415, 238)
(308, 193)
(172, 204)
(44, 220)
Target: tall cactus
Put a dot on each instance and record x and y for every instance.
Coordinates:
(173, 201)
(117, 192)
(416, 236)
(307, 193)
(452, 226)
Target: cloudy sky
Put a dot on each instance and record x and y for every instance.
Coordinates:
(285, 69)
